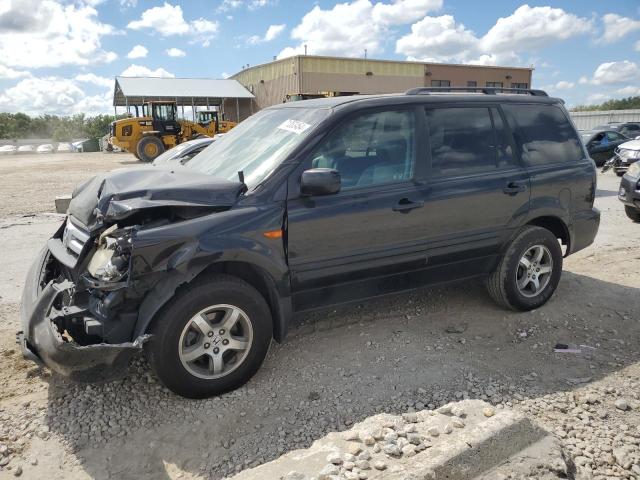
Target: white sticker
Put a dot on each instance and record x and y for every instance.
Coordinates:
(295, 126)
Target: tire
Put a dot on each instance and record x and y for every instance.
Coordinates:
(175, 337)
(135, 154)
(502, 283)
(620, 174)
(149, 148)
(632, 213)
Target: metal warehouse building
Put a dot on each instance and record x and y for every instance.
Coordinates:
(270, 83)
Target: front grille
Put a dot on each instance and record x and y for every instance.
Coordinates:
(74, 238)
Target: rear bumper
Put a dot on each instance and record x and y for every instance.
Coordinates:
(583, 229)
(41, 341)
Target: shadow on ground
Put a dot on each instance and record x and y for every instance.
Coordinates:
(348, 363)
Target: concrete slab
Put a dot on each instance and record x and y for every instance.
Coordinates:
(461, 441)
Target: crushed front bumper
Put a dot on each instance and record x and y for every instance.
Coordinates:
(41, 341)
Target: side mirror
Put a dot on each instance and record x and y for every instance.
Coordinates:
(320, 181)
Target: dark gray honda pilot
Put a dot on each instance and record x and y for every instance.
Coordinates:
(305, 205)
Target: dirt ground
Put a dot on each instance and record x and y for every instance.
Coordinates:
(409, 351)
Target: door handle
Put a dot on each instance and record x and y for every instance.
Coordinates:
(513, 188)
(404, 205)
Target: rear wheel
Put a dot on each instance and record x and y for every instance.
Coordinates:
(529, 271)
(149, 148)
(211, 337)
(632, 213)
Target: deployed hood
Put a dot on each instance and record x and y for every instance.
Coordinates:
(109, 197)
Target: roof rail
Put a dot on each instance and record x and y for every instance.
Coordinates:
(485, 90)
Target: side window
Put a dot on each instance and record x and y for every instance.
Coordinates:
(543, 134)
(613, 136)
(463, 141)
(370, 149)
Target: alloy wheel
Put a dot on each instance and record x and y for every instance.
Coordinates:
(215, 341)
(534, 271)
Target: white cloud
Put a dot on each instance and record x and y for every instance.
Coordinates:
(48, 33)
(52, 95)
(629, 91)
(526, 29)
(272, 32)
(138, 51)
(347, 29)
(616, 72)
(225, 75)
(564, 85)
(598, 98)
(10, 73)
(134, 70)
(637, 46)
(227, 5)
(168, 20)
(403, 11)
(437, 39)
(344, 30)
(95, 80)
(617, 27)
(175, 52)
(532, 28)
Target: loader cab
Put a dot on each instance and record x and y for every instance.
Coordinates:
(205, 117)
(163, 115)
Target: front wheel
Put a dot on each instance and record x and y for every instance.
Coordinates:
(212, 337)
(149, 148)
(529, 271)
(632, 213)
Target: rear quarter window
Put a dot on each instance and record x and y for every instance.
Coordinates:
(543, 134)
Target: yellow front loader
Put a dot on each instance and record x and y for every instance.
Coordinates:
(159, 130)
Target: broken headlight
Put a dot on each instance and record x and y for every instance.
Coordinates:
(110, 261)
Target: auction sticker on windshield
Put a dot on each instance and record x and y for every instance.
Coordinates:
(295, 126)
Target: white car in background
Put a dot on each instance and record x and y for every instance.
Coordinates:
(65, 148)
(8, 149)
(26, 149)
(626, 154)
(45, 148)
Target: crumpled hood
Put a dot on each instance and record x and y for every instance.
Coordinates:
(631, 145)
(116, 195)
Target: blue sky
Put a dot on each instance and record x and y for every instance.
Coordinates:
(60, 56)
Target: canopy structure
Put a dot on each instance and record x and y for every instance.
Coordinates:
(193, 92)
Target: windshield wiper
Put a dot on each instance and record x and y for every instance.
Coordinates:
(245, 189)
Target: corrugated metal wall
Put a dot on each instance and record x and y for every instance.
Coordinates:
(588, 120)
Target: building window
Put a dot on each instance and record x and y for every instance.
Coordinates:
(472, 83)
(523, 86)
(494, 84)
(440, 83)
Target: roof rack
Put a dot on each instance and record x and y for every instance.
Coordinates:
(485, 90)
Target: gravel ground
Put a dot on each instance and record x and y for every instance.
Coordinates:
(411, 351)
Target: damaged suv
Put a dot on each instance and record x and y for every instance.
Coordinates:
(305, 205)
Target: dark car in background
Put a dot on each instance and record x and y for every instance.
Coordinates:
(629, 193)
(601, 144)
(302, 206)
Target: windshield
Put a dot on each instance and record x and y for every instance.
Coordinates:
(258, 145)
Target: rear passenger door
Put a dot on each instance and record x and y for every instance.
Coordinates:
(478, 190)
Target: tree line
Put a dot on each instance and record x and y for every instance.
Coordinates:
(628, 103)
(60, 129)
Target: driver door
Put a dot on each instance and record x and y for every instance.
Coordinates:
(368, 229)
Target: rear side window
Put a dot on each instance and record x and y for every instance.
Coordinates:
(463, 141)
(543, 134)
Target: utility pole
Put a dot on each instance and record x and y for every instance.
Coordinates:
(305, 49)
(365, 53)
